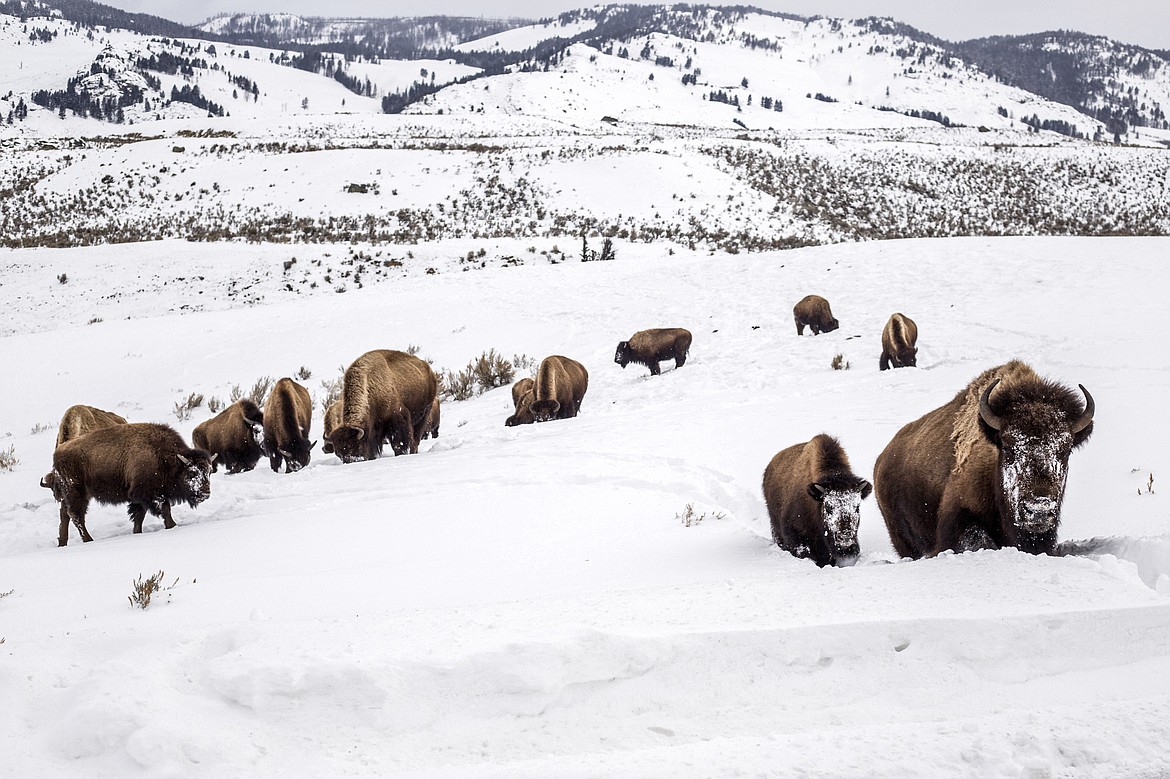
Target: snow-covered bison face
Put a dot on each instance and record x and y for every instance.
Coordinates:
(841, 515)
(1035, 438)
(352, 445)
(622, 355)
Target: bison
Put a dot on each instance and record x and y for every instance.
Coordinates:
(79, 420)
(814, 501)
(559, 387)
(288, 414)
(434, 417)
(523, 393)
(387, 396)
(649, 347)
(986, 470)
(813, 310)
(234, 436)
(898, 339)
(332, 422)
(146, 465)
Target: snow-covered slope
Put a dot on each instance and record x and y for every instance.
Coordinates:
(527, 601)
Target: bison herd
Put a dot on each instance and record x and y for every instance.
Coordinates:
(986, 470)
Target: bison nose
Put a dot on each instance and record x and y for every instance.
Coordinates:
(1039, 514)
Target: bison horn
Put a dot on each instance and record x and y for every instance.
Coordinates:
(361, 433)
(213, 456)
(985, 413)
(312, 445)
(1087, 417)
(286, 455)
(183, 459)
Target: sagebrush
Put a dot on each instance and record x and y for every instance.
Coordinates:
(145, 589)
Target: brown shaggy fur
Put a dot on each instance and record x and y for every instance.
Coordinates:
(795, 484)
(650, 347)
(388, 396)
(434, 417)
(79, 420)
(560, 385)
(232, 435)
(899, 337)
(288, 416)
(940, 481)
(146, 465)
(332, 422)
(813, 310)
(523, 393)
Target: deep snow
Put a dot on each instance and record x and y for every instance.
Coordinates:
(526, 601)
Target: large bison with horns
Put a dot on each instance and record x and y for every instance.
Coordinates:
(813, 310)
(234, 436)
(986, 470)
(814, 501)
(387, 396)
(146, 465)
(650, 347)
(560, 385)
(899, 337)
(79, 420)
(288, 414)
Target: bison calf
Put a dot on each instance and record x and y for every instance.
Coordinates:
(145, 465)
(288, 414)
(234, 436)
(813, 310)
(899, 337)
(986, 470)
(560, 385)
(814, 501)
(650, 347)
(523, 393)
(79, 420)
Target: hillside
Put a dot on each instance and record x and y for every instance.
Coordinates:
(529, 601)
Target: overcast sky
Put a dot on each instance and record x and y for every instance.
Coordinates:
(1144, 22)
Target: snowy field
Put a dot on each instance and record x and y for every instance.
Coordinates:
(526, 602)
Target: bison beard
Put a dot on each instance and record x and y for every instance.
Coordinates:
(986, 470)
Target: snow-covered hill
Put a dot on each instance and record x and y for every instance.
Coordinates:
(529, 601)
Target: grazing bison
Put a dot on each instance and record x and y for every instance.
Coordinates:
(387, 396)
(986, 470)
(523, 393)
(288, 414)
(813, 310)
(814, 501)
(332, 422)
(898, 339)
(79, 420)
(233, 435)
(146, 465)
(650, 347)
(559, 387)
(434, 418)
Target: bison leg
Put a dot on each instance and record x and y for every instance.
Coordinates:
(680, 359)
(654, 370)
(137, 512)
(960, 530)
(974, 539)
(165, 512)
(799, 327)
(884, 362)
(77, 517)
(815, 330)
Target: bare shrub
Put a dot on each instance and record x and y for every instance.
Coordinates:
(492, 370)
(41, 427)
(8, 459)
(145, 589)
(303, 373)
(215, 405)
(184, 408)
(522, 362)
(688, 516)
(332, 389)
(461, 385)
(839, 363)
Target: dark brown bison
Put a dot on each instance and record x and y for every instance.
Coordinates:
(234, 436)
(288, 415)
(813, 310)
(650, 347)
(986, 470)
(146, 465)
(814, 501)
(559, 387)
(523, 393)
(898, 339)
(332, 422)
(79, 420)
(388, 396)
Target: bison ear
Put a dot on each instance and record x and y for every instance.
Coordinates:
(183, 459)
(866, 488)
(816, 491)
